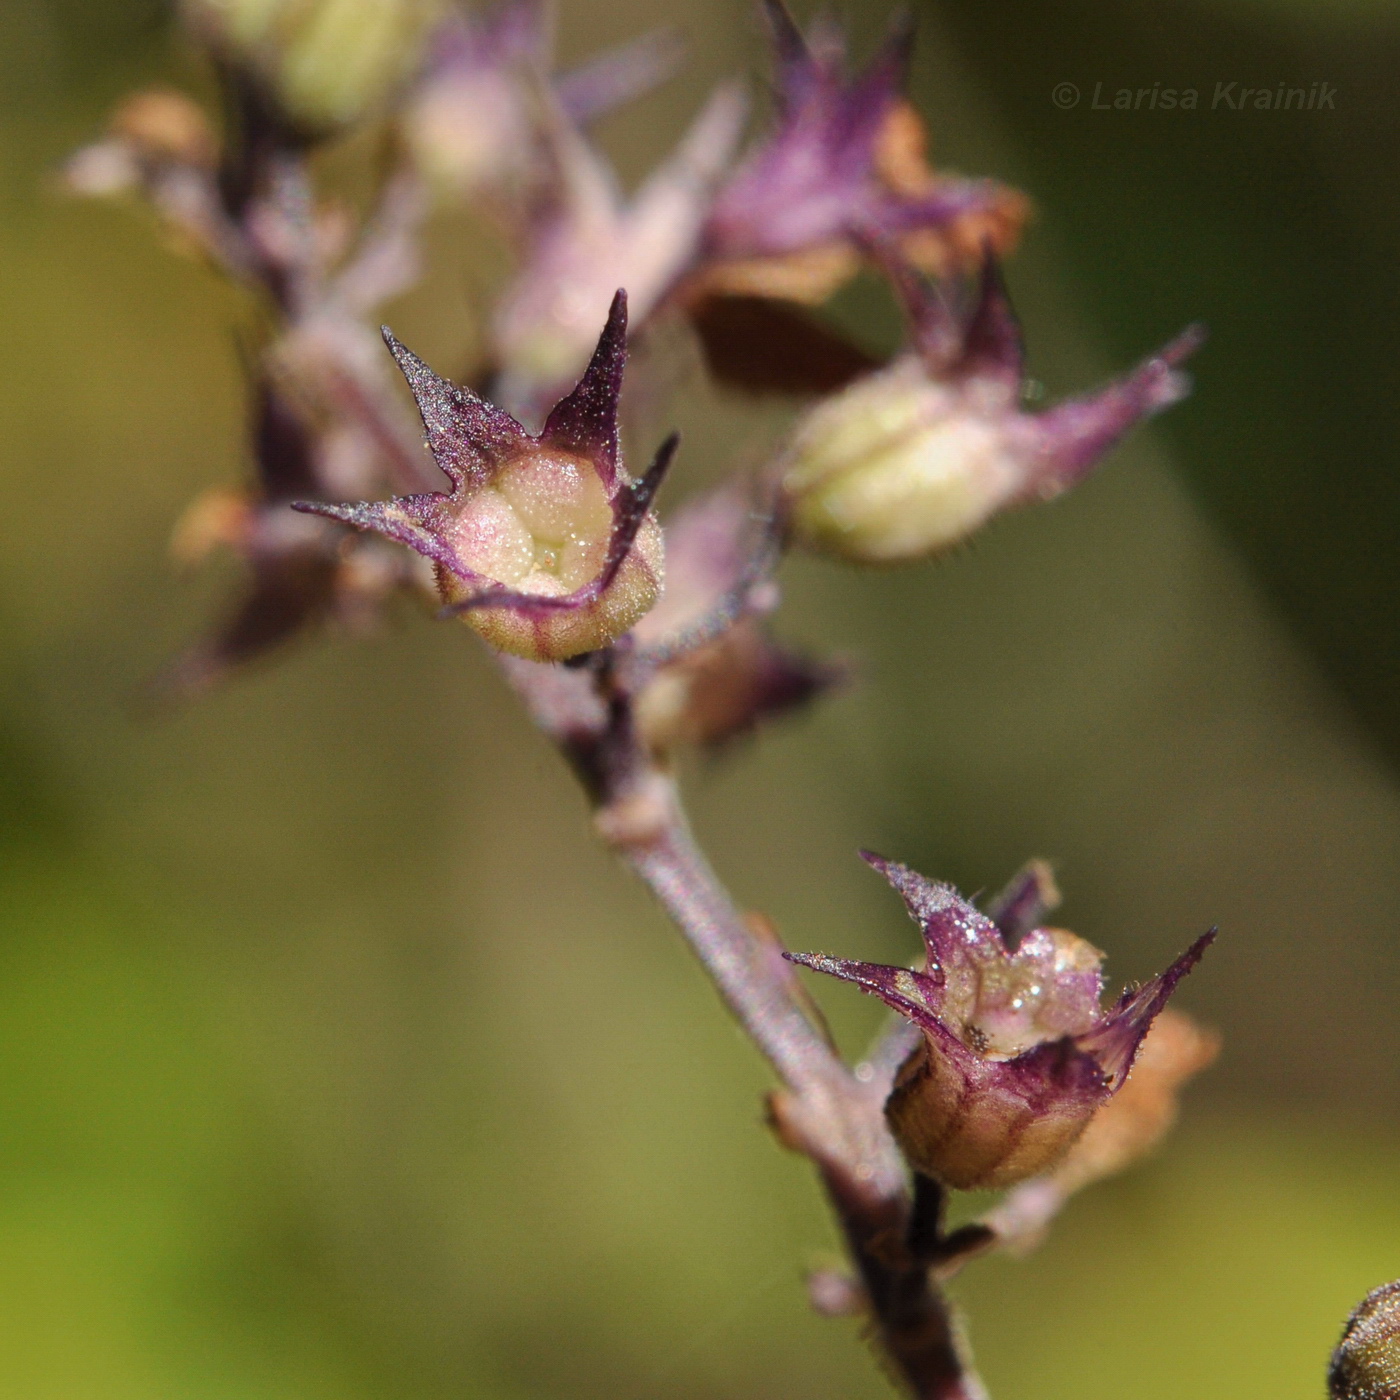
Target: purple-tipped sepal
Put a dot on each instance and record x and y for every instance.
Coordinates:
(301, 572)
(1017, 1054)
(842, 163)
(544, 545)
(910, 460)
(472, 116)
(1069, 440)
(581, 236)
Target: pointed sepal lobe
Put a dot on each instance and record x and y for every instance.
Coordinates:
(544, 544)
(1016, 1054)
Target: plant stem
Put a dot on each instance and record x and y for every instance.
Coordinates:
(823, 1111)
(830, 1115)
(750, 975)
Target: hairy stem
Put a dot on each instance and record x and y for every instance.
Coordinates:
(829, 1114)
(750, 975)
(823, 1110)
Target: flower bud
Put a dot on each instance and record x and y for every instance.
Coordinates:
(726, 689)
(1366, 1364)
(843, 162)
(468, 120)
(472, 118)
(298, 572)
(167, 125)
(544, 545)
(913, 458)
(149, 133)
(724, 673)
(1016, 1055)
(590, 237)
(328, 60)
(891, 470)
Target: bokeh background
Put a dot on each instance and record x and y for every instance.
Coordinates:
(336, 1063)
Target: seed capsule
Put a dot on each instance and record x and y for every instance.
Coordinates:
(1017, 1055)
(1366, 1364)
(913, 458)
(544, 545)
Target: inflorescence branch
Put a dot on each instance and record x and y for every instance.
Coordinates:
(630, 643)
(824, 1110)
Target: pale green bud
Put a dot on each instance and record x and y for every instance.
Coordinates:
(913, 458)
(899, 466)
(328, 60)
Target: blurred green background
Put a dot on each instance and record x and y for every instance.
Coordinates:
(336, 1062)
